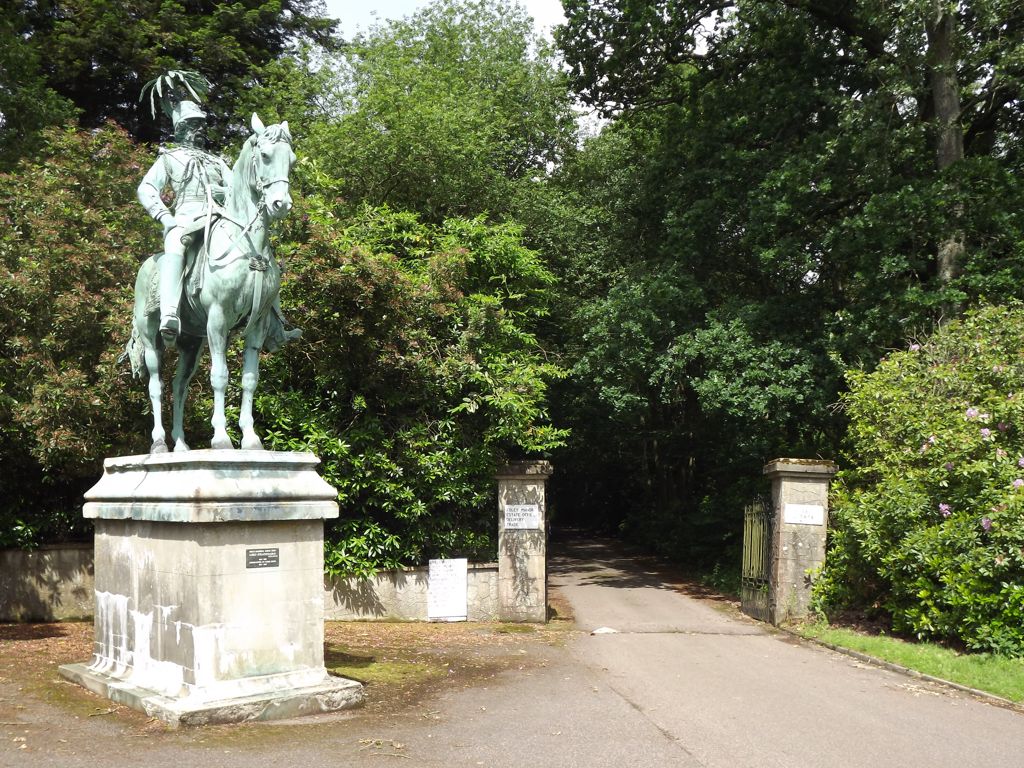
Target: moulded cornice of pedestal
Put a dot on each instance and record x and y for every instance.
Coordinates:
(233, 481)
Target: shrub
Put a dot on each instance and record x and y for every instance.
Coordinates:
(417, 374)
(928, 522)
(71, 238)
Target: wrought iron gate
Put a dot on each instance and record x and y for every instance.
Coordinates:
(757, 543)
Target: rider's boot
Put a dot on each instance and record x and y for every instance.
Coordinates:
(171, 267)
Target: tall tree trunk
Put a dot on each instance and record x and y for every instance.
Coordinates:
(945, 94)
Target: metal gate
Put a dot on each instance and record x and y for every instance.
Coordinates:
(757, 544)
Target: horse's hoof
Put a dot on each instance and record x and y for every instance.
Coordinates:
(252, 444)
(222, 444)
(180, 446)
(158, 446)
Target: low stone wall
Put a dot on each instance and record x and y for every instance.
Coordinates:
(402, 596)
(56, 583)
(51, 583)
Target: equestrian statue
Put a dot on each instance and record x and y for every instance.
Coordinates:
(217, 273)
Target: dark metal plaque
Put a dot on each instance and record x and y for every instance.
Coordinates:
(262, 558)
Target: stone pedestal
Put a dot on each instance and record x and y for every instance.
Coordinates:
(522, 541)
(209, 587)
(800, 509)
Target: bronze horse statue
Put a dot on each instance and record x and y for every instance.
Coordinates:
(232, 284)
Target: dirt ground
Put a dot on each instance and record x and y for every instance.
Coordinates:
(403, 666)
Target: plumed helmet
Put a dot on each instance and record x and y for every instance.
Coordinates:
(186, 110)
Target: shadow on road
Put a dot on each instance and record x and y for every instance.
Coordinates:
(610, 563)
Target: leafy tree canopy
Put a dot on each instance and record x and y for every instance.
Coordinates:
(451, 112)
(97, 54)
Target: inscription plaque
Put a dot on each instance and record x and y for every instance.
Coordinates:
(263, 558)
(804, 514)
(522, 517)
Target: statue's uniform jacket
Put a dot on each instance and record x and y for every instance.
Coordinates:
(196, 177)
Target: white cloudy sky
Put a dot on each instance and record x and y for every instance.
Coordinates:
(358, 15)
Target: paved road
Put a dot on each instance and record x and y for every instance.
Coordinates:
(682, 683)
(725, 692)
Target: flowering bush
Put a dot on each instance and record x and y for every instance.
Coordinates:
(928, 522)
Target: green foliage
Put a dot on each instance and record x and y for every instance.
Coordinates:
(418, 373)
(97, 54)
(929, 520)
(27, 105)
(70, 241)
(449, 113)
(765, 212)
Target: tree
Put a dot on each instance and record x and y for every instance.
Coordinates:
(27, 105)
(418, 374)
(776, 208)
(954, 68)
(453, 112)
(70, 241)
(97, 54)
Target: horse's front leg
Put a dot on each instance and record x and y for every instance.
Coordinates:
(250, 378)
(152, 356)
(189, 349)
(217, 337)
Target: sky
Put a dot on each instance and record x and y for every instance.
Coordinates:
(356, 15)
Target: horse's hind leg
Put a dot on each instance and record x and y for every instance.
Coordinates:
(217, 338)
(189, 349)
(152, 356)
(250, 378)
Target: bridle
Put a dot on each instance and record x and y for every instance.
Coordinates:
(261, 185)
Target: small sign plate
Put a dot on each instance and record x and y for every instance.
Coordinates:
(447, 590)
(804, 514)
(263, 558)
(522, 517)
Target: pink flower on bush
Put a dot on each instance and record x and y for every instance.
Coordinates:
(986, 433)
(945, 510)
(915, 347)
(1002, 426)
(971, 414)
(986, 524)
(1020, 462)
(1018, 483)
(949, 466)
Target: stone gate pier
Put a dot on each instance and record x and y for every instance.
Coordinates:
(209, 587)
(800, 510)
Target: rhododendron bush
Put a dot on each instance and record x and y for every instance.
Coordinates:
(928, 521)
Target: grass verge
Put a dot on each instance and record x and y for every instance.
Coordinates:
(998, 675)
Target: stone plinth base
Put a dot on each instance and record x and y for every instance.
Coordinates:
(209, 587)
(276, 702)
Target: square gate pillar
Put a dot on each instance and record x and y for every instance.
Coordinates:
(522, 541)
(800, 509)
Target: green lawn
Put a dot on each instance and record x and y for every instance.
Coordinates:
(995, 674)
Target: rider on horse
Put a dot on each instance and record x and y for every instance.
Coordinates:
(197, 179)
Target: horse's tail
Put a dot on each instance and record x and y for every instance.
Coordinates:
(135, 353)
(146, 298)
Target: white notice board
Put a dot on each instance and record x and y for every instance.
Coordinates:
(522, 517)
(447, 590)
(804, 514)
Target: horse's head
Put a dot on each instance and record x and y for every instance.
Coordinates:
(272, 160)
